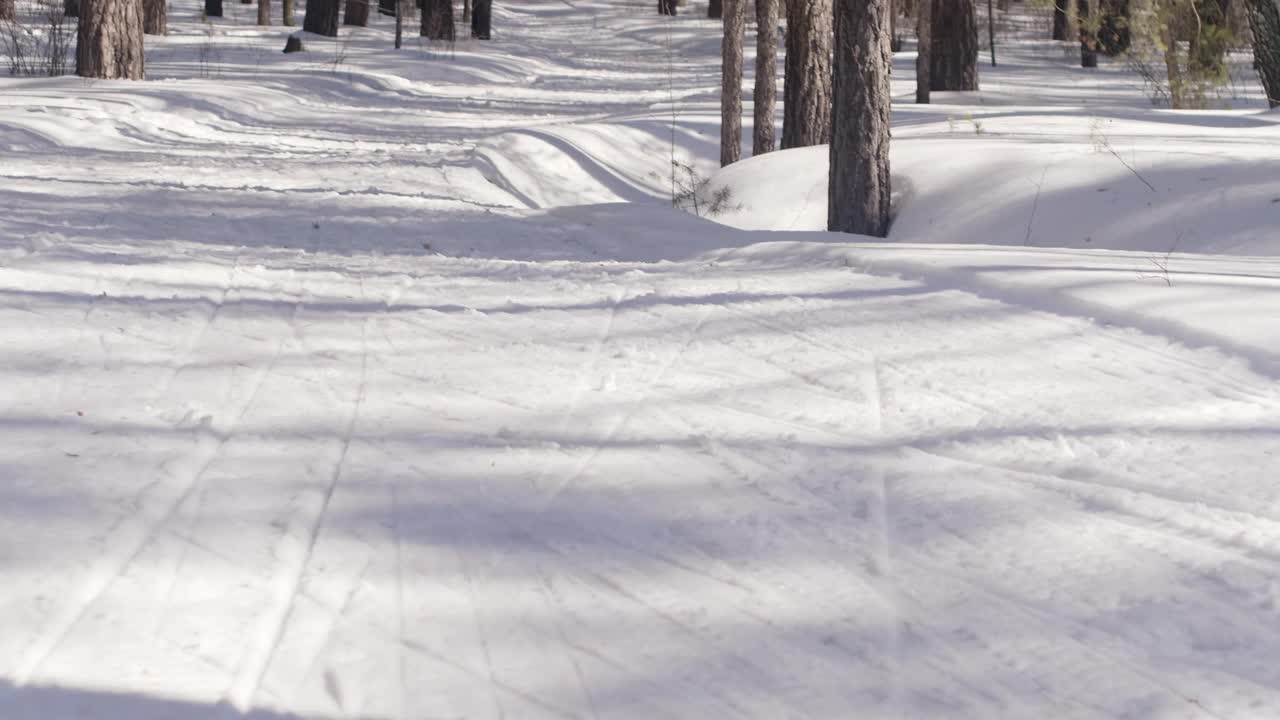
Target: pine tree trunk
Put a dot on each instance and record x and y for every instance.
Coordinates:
(155, 17)
(356, 13)
(481, 18)
(466, 12)
(715, 9)
(765, 97)
(1060, 19)
(264, 12)
(858, 190)
(109, 40)
(924, 41)
(806, 89)
(286, 13)
(666, 7)
(1264, 21)
(437, 20)
(1088, 42)
(7, 10)
(955, 46)
(71, 8)
(735, 25)
(321, 17)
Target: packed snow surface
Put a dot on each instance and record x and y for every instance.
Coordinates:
(376, 384)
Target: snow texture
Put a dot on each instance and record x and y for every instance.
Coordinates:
(369, 384)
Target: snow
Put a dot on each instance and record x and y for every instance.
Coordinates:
(367, 384)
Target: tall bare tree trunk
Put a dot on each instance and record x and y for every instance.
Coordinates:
(1264, 21)
(858, 189)
(735, 24)
(466, 12)
(1088, 41)
(765, 98)
(924, 41)
(955, 46)
(155, 17)
(286, 13)
(666, 7)
(321, 17)
(109, 40)
(437, 20)
(264, 12)
(715, 9)
(356, 13)
(991, 31)
(806, 89)
(1060, 19)
(482, 18)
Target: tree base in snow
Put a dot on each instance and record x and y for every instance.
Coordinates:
(293, 44)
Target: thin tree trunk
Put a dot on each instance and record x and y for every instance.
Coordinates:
(321, 17)
(437, 20)
(955, 46)
(735, 23)
(109, 40)
(482, 17)
(806, 89)
(1264, 21)
(71, 8)
(666, 7)
(287, 13)
(765, 97)
(991, 31)
(264, 12)
(7, 10)
(924, 41)
(155, 17)
(466, 12)
(399, 23)
(858, 189)
(1088, 41)
(357, 13)
(715, 9)
(1060, 19)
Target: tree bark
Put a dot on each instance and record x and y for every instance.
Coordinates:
(1088, 42)
(666, 7)
(806, 89)
(264, 12)
(765, 97)
(356, 13)
(924, 35)
(155, 17)
(955, 46)
(735, 24)
(7, 10)
(858, 189)
(1264, 21)
(466, 12)
(212, 8)
(286, 13)
(437, 20)
(321, 17)
(1060, 19)
(715, 9)
(109, 40)
(991, 31)
(481, 18)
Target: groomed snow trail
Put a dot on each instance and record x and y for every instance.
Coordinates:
(306, 414)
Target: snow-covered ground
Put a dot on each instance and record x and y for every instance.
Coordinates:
(376, 384)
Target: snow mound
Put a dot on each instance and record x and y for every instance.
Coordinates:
(1151, 185)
